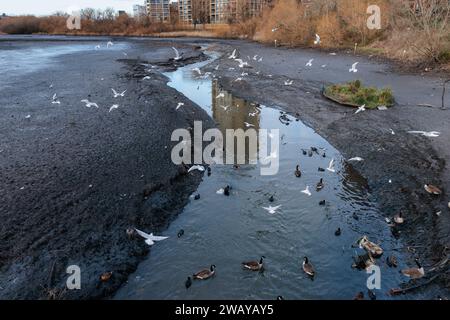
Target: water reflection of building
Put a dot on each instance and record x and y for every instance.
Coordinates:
(234, 113)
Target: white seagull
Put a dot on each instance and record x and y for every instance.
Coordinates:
(55, 99)
(331, 166)
(196, 167)
(431, 134)
(356, 159)
(361, 109)
(89, 104)
(224, 107)
(109, 44)
(113, 107)
(198, 71)
(180, 104)
(248, 125)
(150, 239)
(289, 82)
(118, 94)
(242, 64)
(274, 29)
(306, 191)
(233, 55)
(272, 210)
(221, 95)
(309, 64)
(353, 69)
(317, 41)
(177, 54)
(146, 78)
(97, 47)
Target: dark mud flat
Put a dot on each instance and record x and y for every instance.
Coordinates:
(397, 166)
(73, 179)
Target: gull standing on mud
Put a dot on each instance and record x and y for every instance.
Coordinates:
(272, 210)
(289, 82)
(109, 44)
(118, 94)
(150, 239)
(177, 54)
(331, 166)
(353, 68)
(89, 104)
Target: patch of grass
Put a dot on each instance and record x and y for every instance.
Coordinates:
(355, 94)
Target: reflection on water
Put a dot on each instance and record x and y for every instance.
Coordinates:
(225, 231)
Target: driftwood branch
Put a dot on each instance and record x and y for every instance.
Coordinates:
(397, 291)
(443, 93)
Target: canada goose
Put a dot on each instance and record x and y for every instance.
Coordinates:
(308, 267)
(205, 274)
(338, 232)
(374, 249)
(362, 262)
(271, 199)
(130, 232)
(398, 219)
(320, 185)
(197, 196)
(359, 296)
(209, 171)
(371, 295)
(321, 169)
(298, 173)
(414, 273)
(180, 233)
(227, 191)
(280, 298)
(432, 189)
(106, 276)
(392, 261)
(322, 203)
(304, 152)
(254, 265)
(188, 283)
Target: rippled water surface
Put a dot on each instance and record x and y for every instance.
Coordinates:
(225, 231)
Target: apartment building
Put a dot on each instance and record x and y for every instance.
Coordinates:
(139, 11)
(158, 10)
(185, 10)
(228, 11)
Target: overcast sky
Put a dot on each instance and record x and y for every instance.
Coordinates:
(43, 7)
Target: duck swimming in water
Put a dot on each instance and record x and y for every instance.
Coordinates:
(205, 274)
(414, 273)
(297, 172)
(338, 232)
(398, 219)
(254, 265)
(308, 267)
(320, 185)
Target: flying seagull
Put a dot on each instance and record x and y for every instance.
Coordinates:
(306, 191)
(150, 239)
(242, 64)
(248, 125)
(431, 134)
(361, 109)
(89, 104)
(180, 104)
(353, 69)
(177, 54)
(272, 210)
(274, 29)
(331, 166)
(146, 78)
(288, 82)
(55, 99)
(309, 64)
(233, 55)
(197, 70)
(118, 94)
(317, 41)
(356, 159)
(113, 107)
(196, 167)
(221, 95)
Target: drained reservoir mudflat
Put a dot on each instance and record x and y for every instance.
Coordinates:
(226, 231)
